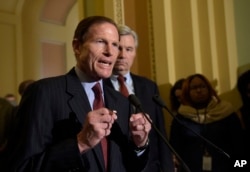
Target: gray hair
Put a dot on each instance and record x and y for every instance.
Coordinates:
(125, 30)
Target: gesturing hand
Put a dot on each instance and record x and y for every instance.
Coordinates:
(98, 124)
(140, 128)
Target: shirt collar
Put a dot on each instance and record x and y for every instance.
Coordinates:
(127, 76)
(84, 79)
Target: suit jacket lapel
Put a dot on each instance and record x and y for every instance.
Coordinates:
(138, 92)
(136, 84)
(108, 83)
(79, 104)
(110, 99)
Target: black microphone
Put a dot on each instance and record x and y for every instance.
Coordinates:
(136, 102)
(161, 103)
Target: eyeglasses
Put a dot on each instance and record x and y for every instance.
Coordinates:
(196, 87)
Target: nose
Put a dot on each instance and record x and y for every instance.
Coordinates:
(110, 50)
(198, 89)
(122, 53)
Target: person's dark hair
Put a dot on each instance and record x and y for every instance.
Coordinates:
(243, 81)
(175, 103)
(82, 28)
(23, 86)
(186, 89)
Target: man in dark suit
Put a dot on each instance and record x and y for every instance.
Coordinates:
(60, 128)
(144, 89)
(6, 110)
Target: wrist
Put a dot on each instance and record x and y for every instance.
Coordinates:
(140, 148)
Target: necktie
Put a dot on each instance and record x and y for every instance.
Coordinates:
(123, 88)
(98, 103)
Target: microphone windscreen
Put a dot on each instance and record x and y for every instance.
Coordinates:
(157, 99)
(134, 100)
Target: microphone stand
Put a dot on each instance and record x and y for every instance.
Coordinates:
(135, 101)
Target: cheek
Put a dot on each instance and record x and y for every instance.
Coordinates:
(82, 59)
(85, 61)
(193, 96)
(116, 52)
(131, 61)
(83, 53)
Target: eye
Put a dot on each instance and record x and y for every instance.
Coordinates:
(129, 49)
(116, 45)
(100, 41)
(203, 86)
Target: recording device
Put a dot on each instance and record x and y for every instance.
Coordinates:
(135, 101)
(161, 103)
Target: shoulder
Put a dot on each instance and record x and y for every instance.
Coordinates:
(142, 79)
(57, 81)
(3, 101)
(47, 83)
(5, 106)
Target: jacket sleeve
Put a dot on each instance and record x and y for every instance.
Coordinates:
(35, 147)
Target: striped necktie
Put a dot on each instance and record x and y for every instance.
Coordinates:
(98, 103)
(123, 88)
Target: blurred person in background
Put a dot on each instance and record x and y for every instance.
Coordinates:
(203, 112)
(24, 85)
(6, 111)
(11, 98)
(175, 95)
(243, 86)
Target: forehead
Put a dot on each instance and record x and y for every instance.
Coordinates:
(104, 29)
(178, 92)
(127, 39)
(196, 80)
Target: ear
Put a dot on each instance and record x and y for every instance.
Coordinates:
(76, 46)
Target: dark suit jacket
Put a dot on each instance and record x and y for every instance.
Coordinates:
(160, 158)
(51, 114)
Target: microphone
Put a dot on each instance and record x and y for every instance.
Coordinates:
(136, 102)
(161, 103)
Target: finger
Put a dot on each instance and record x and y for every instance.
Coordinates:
(107, 118)
(143, 127)
(102, 111)
(135, 117)
(108, 126)
(107, 132)
(113, 114)
(140, 127)
(138, 123)
(144, 122)
(148, 118)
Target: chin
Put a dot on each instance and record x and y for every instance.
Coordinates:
(106, 75)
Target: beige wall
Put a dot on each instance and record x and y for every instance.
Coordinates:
(35, 41)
